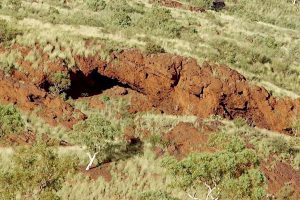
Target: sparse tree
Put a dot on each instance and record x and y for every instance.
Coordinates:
(103, 140)
(37, 172)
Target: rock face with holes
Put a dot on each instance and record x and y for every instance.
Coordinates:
(167, 82)
(179, 85)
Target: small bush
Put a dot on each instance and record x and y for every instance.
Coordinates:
(37, 173)
(7, 33)
(152, 48)
(8, 61)
(96, 5)
(10, 121)
(276, 145)
(121, 19)
(160, 21)
(61, 82)
(105, 98)
(236, 173)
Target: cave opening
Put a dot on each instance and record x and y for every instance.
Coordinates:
(93, 84)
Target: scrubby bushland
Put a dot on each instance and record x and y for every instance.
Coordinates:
(36, 173)
(233, 172)
(11, 121)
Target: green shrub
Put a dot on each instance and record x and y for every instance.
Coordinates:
(152, 48)
(7, 33)
(223, 140)
(160, 21)
(122, 19)
(61, 82)
(276, 145)
(120, 6)
(96, 5)
(10, 121)
(8, 61)
(236, 174)
(105, 98)
(37, 173)
(100, 135)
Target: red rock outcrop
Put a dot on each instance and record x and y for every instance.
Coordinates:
(170, 83)
(179, 85)
(28, 97)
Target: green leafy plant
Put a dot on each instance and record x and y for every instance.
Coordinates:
(105, 98)
(61, 82)
(10, 121)
(152, 48)
(101, 138)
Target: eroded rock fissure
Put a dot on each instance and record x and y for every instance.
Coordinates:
(90, 85)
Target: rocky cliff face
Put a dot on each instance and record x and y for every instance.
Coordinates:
(170, 83)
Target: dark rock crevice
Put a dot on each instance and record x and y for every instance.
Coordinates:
(90, 85)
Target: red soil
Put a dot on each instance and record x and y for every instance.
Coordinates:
(185, 138)
(28, 97)
(96, 172)
(281, 174)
